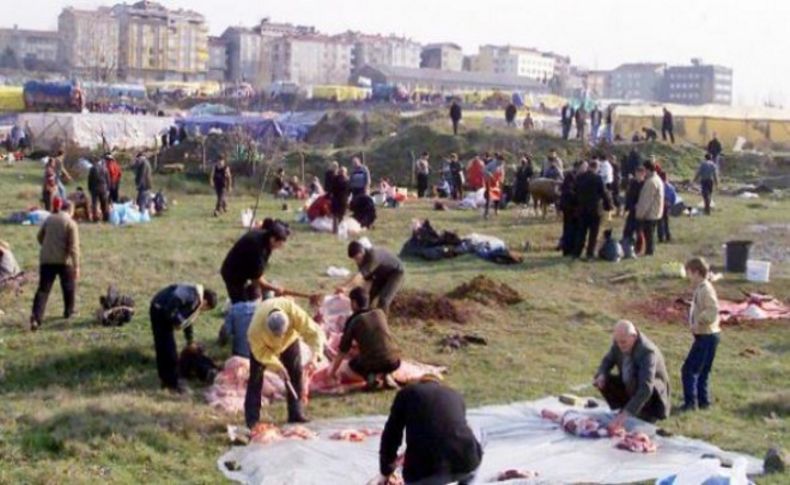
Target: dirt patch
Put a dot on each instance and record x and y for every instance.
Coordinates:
(421, 305)
(486, 291)
(662, 310)
(750, 352)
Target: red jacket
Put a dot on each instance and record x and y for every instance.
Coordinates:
(114, 169)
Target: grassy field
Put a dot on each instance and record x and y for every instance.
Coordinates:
(81, 403)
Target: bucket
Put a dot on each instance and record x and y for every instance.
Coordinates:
(736, 255)
(758, 271)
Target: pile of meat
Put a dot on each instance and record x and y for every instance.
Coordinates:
(515, 474)
(230, 386)
(354, 435)
(266, 433)
(756, 306)
(584, 426)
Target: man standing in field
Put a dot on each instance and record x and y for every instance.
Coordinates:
(59, 257)
(222, 181)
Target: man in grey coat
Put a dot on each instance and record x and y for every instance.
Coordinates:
(641, 387)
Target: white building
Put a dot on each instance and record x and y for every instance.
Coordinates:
(382, 50)
(89, 42)
(310, 60)
(515, 61)
(445, 57)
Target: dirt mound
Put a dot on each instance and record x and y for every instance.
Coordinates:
(486, 291)
(661, 310)
(421, 305)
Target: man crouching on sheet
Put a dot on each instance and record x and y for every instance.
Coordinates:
(641, 387)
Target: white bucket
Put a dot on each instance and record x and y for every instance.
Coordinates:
(758, 271)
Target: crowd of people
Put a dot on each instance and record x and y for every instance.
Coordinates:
(265, 324)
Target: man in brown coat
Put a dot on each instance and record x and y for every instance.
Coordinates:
(650, 207)
(379, 355)
(641, 387)
(59, 257)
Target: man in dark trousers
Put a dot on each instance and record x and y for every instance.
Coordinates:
(569, 206)
(274, 334)
(708, 177)
(222, 181)
(581, 123)
(668, 126)
(59, 257)
(142, 181)
(379, 355)
(593, 200)
(566, 118)
(714, 148)
(99, 188)
(596, 118)
(455, 115)
(641, 386)
(457, 177)
(378, 267)
(440, 446)
(176, 308)
(510, 114)
(650, 206)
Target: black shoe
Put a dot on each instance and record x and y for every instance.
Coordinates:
(686, 408)
(703, 407)
(298, 418)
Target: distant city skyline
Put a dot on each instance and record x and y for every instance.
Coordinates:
(746, 36)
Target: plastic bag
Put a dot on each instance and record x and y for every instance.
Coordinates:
(673, 270)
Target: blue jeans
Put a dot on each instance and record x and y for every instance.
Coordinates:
(696, 369)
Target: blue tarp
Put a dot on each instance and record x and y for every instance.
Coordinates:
(256, 127)
(296, 125)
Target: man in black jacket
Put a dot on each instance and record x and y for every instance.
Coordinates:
(668, 126)
(714, 148)
(99, 188)
(440, 446)
(592, 198)
(566, 118)
(455, 116)
(142, 181)
(176, 308)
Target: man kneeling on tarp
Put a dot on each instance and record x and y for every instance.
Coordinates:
(440, 446)
(379, 355)
(274, 335)
(642, 387)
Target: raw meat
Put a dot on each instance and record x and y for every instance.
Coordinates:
(354, 435)
(230, 386)
(577, 424)
(514, 474)
(755, 307)
(266, 433)
(637, 443)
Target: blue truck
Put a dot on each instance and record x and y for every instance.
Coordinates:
(53, 96)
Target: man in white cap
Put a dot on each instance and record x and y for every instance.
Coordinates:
(274, 335)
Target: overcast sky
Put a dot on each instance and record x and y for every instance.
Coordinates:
(751, 36)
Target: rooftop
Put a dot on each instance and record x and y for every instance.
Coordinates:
(459, 77)
(440, 45)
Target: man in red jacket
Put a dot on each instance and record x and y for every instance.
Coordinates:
(114, 169)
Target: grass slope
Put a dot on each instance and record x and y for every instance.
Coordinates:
(79, 403)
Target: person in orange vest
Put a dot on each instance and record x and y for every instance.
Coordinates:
(114, 169)
(494, 176)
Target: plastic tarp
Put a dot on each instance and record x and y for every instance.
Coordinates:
(86, 129)
(255, 126)
(12, 98)
(513, 436)
(296, 125)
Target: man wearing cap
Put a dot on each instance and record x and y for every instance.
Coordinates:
(274, 335)
(59, 257)
(176, 308)
(378, 267)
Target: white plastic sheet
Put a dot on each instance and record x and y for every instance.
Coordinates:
(514, 436)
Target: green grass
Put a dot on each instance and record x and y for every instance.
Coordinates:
(80, 403)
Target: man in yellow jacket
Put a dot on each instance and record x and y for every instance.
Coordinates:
(277, 326)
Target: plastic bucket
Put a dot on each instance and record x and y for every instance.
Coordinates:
(758, 271)
(736, 255)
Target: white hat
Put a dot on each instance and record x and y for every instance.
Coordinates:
(277, 321)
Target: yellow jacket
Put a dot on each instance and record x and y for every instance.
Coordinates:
(704, 314)
(267, 347)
